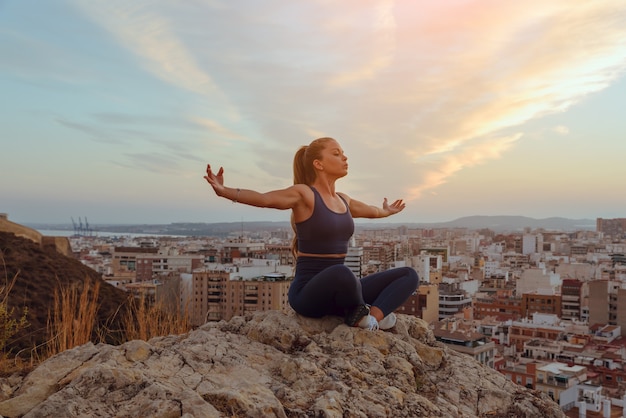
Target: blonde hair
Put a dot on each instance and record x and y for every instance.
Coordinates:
(304, 173)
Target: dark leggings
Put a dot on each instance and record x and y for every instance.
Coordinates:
(325, 286)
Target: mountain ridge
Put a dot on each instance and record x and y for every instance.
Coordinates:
(518, 222)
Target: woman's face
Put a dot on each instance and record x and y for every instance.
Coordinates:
(334, 162)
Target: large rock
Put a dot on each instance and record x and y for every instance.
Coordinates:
(272, 364)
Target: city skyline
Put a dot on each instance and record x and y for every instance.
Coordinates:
(112, 109)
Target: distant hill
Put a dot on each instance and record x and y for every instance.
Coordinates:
(41, 270)
(499, 224)
(518, 223)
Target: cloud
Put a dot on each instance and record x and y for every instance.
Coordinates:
(423, 89)
(152, 38)
(215, 127)
(453, 163)
(379, 56)
(153, 161)
(95, 132)
(171, 139)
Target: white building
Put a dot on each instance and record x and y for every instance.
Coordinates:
(538, 280)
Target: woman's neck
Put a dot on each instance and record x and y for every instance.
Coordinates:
(324, 185)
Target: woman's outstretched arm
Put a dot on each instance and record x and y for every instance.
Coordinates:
(277, 199)
(363, 210)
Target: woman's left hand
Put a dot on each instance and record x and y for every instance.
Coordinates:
(215, 180)
(393, 208)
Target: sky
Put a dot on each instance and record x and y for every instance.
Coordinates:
(111, 109)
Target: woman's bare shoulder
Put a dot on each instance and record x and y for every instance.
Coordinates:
(303, 189)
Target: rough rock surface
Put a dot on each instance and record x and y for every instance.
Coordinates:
(272, 364)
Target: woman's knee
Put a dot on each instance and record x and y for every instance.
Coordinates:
(412, 277)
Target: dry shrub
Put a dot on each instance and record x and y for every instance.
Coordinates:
(147, 320)
(10, 323)
(73, 318)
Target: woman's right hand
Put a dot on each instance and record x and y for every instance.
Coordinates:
(215, 180)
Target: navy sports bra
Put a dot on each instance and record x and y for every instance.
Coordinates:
(325, 232)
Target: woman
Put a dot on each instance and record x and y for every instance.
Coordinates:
(323, 222)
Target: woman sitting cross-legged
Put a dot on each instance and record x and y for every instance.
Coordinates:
(323, 222)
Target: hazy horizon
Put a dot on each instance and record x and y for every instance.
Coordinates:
(497, 224)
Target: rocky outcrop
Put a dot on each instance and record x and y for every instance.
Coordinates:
(272, 364)
(59, 244)
(19, 230)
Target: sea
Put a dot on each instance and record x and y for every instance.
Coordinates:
(102, 234)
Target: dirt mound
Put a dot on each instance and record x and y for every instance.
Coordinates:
(39, 271)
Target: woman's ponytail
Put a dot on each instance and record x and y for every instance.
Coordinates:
(304, 173)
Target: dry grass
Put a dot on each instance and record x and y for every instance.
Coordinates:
(73, 319)
(73, 322)
(147, 320)
(10, 322)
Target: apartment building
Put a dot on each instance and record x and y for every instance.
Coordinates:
(531, 243)
(424, 303)
(504, 307)
(124, 261)
(355, 261)
(537, 279)
(613, 228)
(535, 302)
(214, 294)
(589, 399)
(265, 293)
(556, 379)
(540, 326)
(452, 300)
(544, 349)
(608, 364)
(150, 266)
(381, 253)
(429, 267)
(281, 253)
(241, 248)
(620, 311)
(605, 302)
(494, 329)
(571, 299)
(524, 374)
(583, 272)
(460, 336)
(515, 260)
(444, 252)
